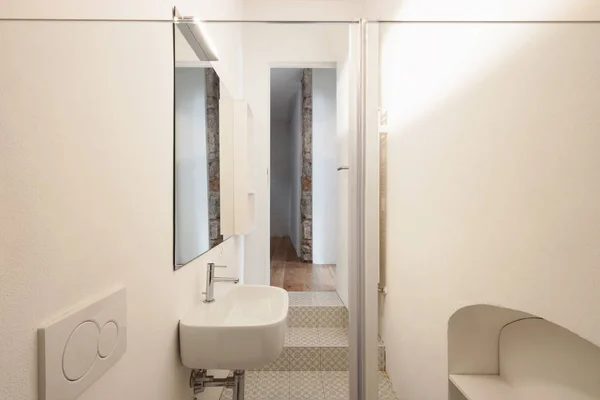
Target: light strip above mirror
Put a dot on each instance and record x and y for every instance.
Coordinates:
(197, 39)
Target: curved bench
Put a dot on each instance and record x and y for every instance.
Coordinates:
(535, 359)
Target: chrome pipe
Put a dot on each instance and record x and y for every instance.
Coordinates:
(231, 280)
(200, 380)
(239, 384)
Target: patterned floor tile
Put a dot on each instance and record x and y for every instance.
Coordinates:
(272, 386)
(302, 317)
(387, 394)
(381, 358)
(327, 299)
(301, 298)
(336, 384)
(304, 358)
(318, 299)
(303, 337)
(251, 381)
(288, 337)
(386, 390)
(332, 317)
(334, 359)
(334, 337)
(280, 364)
(227, 395)
(384, 380)
(306, 385)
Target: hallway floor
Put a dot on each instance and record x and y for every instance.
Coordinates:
(291, 274)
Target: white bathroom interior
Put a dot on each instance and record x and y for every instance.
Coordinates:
(147, 162)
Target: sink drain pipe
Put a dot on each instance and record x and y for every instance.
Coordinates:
(200, 380)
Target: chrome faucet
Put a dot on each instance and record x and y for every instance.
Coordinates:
(211, 279)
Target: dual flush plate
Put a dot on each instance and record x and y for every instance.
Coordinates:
(77, 349)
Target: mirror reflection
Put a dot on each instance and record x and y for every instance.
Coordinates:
(197, 151)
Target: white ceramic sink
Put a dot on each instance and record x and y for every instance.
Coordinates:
(243, 329)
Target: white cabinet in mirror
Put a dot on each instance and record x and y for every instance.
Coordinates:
(237, 135)
(199, 189)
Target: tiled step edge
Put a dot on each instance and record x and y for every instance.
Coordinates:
(317, 359)
(318, 317)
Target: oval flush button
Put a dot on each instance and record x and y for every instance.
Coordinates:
(80, 350)
(108, 339)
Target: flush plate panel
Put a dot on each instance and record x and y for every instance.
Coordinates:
(76, 349)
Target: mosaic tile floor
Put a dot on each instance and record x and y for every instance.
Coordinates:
(305, 385)
(314, 362)
(317, 310)
(320, 299)
(317, 349)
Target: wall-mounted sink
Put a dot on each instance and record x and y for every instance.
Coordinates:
(245, 329)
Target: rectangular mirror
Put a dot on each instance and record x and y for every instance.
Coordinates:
(197, 158)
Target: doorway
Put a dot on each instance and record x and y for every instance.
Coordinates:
(304, 187)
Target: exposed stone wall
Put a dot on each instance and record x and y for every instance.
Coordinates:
(212, 149)
(306, 251)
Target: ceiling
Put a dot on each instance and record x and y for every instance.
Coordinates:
(285, 82)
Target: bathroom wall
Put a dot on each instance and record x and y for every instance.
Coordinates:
(346, 125)
(86, 201)
(267, 46)
(281, 185)
(494, 179)
(304, 10)
(286, 153)
(472, 10)
(325, 174)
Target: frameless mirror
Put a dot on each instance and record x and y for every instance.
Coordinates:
(197, 202)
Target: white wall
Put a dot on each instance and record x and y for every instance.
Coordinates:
(477, 10)
(493, 181)
(325, 174)
(346, 128)
(86, 200)
(267, 46)
(191, 185)
(225, 37)
(286, 171)
(296, 169)
(281, 185)
(304, 10)
(120, 9)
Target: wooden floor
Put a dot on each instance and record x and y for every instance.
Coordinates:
(288, 272)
